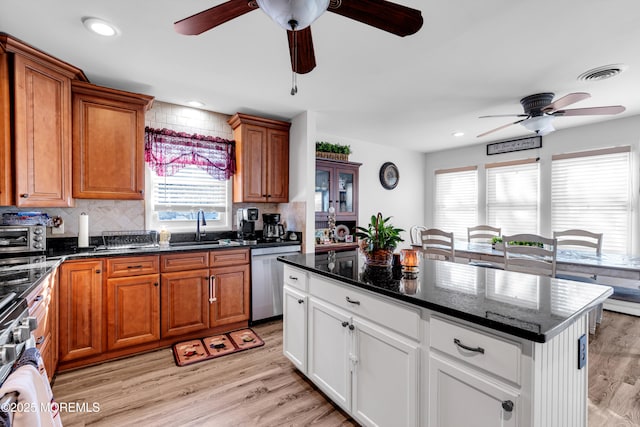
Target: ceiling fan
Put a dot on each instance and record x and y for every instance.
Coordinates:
(540, 110)
(296, 16)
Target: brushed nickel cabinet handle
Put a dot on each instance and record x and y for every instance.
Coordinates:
(212, 289)
(351, 301)
(457, 342)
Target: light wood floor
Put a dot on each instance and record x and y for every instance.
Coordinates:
(259, 387)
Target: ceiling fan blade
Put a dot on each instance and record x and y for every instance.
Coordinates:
(301, 50)
(591, 111)
(391, 17)
(210, 18)
(504, 115)
(568, 99)
(500, 128)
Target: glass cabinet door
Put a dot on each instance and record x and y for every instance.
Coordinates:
(323, 189)
(345, 192)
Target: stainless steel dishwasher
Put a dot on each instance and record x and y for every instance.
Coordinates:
(267, 280)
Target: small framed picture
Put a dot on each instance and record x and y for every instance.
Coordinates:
(348, 238)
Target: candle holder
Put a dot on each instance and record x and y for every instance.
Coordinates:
(409, 261)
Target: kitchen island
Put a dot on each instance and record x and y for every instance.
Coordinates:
(451, 345)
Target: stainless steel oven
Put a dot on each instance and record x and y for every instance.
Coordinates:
(22, 238)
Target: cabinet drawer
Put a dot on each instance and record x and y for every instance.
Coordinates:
(391, 314)
(226, 257)
(132, 266)
(41, 292)
(295, 278)
(499, 357)
(184, 261)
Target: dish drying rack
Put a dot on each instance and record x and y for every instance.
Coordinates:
(130, 239)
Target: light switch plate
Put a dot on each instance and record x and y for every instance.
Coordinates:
(582, 351)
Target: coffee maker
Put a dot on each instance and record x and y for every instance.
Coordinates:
(246, 223)
(272, 230)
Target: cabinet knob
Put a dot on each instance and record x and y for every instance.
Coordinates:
(351, 327)
(300, 301)
(24, 196)
(507, 405)
(155, 284)
(141, 191)
(344, 324)
(98, 271)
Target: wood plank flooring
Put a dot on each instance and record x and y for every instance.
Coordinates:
(259, 387)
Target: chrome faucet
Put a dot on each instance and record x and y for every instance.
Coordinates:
(204, 222)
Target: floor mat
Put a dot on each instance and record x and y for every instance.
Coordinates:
(192, 351)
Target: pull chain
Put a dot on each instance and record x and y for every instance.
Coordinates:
(294, 76)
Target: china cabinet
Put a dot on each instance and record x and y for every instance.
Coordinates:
(337, 187)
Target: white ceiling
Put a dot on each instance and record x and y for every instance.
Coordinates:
(470, 58)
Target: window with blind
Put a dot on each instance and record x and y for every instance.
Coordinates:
(456, 200)
(592, 191)
(512, 196)
(175, 200)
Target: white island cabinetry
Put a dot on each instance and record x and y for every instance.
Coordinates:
(434, 358)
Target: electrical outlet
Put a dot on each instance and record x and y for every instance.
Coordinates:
(58, 230)
(582, 351)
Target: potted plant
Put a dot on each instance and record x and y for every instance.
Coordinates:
(378, 240)
(328, 150)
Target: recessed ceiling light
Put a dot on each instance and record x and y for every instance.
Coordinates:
(196, 104)
(100, 26)
(458, 133)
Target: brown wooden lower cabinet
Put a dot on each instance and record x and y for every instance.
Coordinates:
(43, 304)
(185, 302)
(133, 311)
(80, 308)
(231, 296)
(147, 302)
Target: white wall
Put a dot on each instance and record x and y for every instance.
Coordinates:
(600, 135)
(405, 203)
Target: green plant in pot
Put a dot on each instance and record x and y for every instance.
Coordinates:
(378, 240)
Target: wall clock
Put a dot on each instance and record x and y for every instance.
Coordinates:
(389, 175)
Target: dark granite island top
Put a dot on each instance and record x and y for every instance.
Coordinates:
(532, 307)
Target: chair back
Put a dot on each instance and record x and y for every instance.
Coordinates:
(579, 239)
(437, 244)
(538, 257)
(414, 234)
(483, 233)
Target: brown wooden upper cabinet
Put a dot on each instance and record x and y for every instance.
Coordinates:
(108, 142)
(262, 159)
(36, 108)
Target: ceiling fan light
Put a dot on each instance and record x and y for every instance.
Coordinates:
(539, 124)
(304, 12)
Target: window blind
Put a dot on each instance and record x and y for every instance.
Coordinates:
(592, 191)
(512, 196)
(456, 201)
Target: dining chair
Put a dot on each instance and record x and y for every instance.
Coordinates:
(437, 244)
(414, 234)
(483, 233)
(538, 256)
(579, 239)
(585, 241)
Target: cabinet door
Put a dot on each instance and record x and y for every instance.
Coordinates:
(323, 192)
(80, 309)
(346, 194)
(294, 327)
(329, 343)
(385, 370)
(276, 168)
(230, 295)
(6, 167)
(108, 143)
(459, 397)
(185, 302)
(133, 311)
(42, 135)
(254, 152)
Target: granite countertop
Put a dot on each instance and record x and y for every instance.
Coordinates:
(524, 305)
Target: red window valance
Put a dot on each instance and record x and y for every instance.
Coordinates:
(167, 151)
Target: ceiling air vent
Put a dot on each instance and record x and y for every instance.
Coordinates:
(601, 73)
